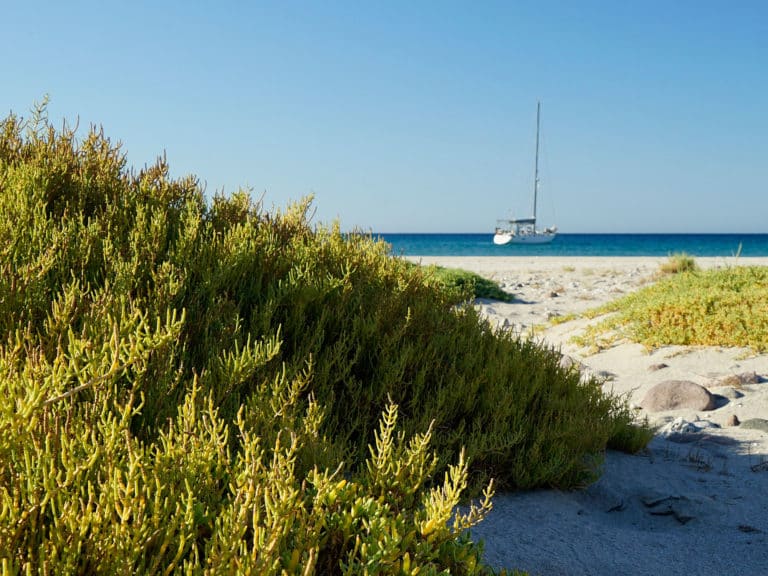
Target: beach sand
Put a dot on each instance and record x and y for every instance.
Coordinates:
(696, 501)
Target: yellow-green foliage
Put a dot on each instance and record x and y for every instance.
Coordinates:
(194, 387)
(722, 307)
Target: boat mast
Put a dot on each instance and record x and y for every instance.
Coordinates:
(536, 169)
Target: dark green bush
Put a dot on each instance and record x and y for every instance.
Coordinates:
(184, 385)
(469, 283)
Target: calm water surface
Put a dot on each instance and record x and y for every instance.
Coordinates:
(582, 245)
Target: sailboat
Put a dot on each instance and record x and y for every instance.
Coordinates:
(523, 230)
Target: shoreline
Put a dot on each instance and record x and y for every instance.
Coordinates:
(694, 501)
(503, 262)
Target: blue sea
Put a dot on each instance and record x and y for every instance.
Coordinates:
(581, 245)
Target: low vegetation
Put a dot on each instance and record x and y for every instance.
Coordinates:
(468, 283)
(207, 388)
(677, 263)
(718, 307)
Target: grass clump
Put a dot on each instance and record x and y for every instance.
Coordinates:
(721, 307)
(204, 387)
(678, 263)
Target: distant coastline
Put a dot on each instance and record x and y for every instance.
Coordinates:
(703, 245)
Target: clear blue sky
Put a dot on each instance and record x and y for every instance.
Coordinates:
(417, 116)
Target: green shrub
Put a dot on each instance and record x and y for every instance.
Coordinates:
(468, 283)
(183, 385)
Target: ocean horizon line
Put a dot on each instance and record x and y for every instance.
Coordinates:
(580, 244)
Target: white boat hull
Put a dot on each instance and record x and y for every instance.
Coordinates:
(502, 238)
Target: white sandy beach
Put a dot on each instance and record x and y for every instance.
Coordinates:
(695, 502)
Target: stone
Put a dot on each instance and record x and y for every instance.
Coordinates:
(678, 426)
(732, 420)
(756, 424)
(678, 395)
(682, 426)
